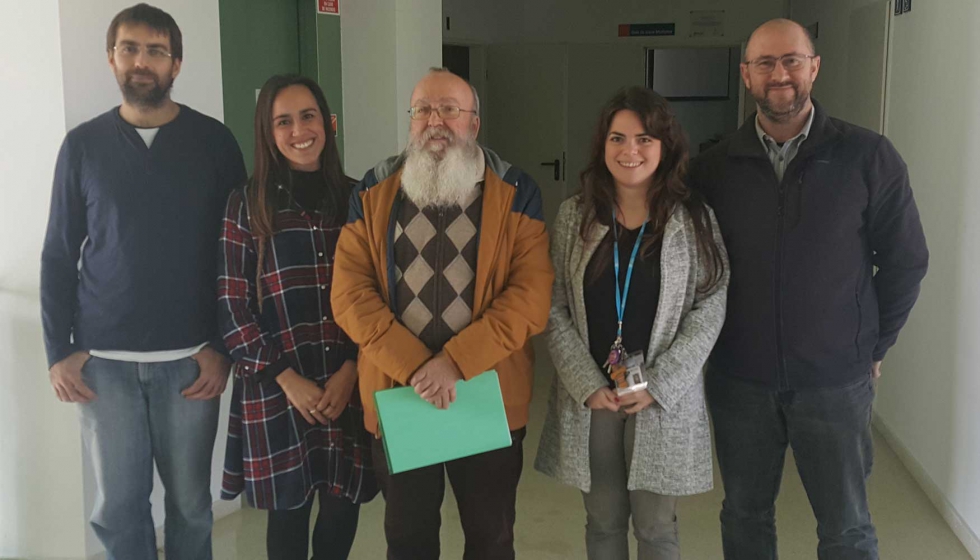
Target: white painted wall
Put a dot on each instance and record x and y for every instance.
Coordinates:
(61, 80)
(418, 47)
(930, 385)
(38, 437)
(387, 46)
(367, 31)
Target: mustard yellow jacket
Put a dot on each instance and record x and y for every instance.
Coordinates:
(512, 299)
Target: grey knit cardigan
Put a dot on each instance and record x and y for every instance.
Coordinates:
(672, 446)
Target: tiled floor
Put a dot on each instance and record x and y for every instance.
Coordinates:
(550, 521)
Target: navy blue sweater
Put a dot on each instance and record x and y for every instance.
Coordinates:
(149, 219)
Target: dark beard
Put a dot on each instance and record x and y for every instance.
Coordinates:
(139, 96)
(776, 115)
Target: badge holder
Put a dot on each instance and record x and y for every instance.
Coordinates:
(628, 374)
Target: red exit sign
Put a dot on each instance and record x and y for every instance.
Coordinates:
(328, 7)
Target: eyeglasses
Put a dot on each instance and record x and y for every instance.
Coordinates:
(132, 51)
(789, 62)
(445, 112)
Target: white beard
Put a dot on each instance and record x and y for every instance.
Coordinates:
(429, 180)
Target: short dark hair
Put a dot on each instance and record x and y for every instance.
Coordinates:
(152, 17)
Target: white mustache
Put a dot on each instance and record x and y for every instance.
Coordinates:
(435, 133)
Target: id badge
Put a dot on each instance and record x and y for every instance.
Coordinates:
(628, 375)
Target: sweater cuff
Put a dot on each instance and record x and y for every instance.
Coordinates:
(269, 373)
(218, 345)
(58, 353)
(351, 352)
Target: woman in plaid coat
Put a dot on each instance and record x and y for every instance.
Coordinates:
(296, 421)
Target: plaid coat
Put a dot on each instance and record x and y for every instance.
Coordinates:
(273, 454)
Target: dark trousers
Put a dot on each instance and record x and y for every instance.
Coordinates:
(485, 487)
(288, 533)
(829, 431)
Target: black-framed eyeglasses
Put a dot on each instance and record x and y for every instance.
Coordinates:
(445, 112)
(130, 51)
(789, 62)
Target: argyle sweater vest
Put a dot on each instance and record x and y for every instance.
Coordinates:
(435, 251)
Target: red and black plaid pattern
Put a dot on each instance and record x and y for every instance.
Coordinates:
(273, 454)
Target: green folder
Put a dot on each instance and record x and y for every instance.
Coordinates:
(417, 434)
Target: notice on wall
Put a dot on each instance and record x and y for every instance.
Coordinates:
(646, 29)
(708, 23)
(331, 7)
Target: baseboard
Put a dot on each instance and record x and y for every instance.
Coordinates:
(932, 490)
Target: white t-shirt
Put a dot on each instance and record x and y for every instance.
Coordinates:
(148, 134)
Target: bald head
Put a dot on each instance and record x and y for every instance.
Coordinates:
(779, 32)
(779, 70)
(440, 80)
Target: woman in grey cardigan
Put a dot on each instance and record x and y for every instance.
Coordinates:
(641, 277)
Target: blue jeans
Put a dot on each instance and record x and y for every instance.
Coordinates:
(139, 416)
(830, 433)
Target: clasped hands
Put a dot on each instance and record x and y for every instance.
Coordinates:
(436, 380)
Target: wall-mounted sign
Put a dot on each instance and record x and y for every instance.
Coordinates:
(331, 7)
(646, 29)
(708, 23)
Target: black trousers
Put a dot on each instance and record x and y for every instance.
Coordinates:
(288, 533)
(485, 487)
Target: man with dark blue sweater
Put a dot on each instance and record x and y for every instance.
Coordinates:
(128, 302)
(827, 253)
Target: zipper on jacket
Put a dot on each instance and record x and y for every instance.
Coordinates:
(782, 382)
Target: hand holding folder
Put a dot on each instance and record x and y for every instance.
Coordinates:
(417, 434)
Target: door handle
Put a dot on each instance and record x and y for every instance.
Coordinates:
(557, 166)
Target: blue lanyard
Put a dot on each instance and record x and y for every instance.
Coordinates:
(621, 296)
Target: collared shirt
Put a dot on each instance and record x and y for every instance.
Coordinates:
(782, 155)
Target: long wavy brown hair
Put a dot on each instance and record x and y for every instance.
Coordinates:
(667, 191)
(271, 173)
